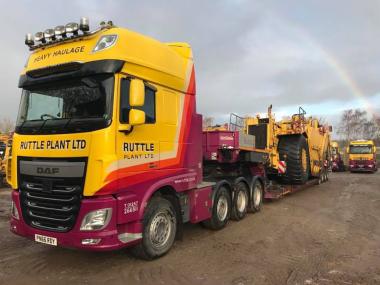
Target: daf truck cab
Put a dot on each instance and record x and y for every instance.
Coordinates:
(362, 156)
(107, 150)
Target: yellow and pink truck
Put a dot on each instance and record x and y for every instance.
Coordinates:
(362, 156)
(108, 150)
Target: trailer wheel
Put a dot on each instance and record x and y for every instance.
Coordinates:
(221, 210)
(256, 196)
(294, 150)
(159, 229)
(240, 201)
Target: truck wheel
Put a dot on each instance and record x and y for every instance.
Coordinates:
(256, 196)
(294, 150)
(240, 201)
(221, 210)
(159, 229)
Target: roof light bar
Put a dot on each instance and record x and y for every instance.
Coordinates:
(60, 33)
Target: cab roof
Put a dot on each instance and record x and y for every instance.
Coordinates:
(142, 56)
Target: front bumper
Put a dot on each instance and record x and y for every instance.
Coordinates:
(113, 236)
(364, 168)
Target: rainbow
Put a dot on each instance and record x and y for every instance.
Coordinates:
(336, 66)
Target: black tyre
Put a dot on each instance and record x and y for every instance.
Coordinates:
(240, 201)
(159, 229)
(221, 210)
(256, 196)
(295, 152)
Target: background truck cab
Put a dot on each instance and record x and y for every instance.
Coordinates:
(362, 156)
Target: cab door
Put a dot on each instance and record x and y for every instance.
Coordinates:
(137, 146)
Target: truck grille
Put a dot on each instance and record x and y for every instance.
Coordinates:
(50, 203)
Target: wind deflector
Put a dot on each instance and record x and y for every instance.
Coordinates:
(69, 70)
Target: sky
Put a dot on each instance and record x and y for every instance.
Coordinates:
(322, 55)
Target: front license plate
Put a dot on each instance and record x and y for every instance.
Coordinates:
(45, 239)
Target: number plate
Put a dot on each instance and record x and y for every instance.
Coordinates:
(45, 239)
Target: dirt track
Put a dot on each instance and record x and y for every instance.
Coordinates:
(328, 234)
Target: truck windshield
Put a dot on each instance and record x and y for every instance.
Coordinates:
(66, 106)
(360, 149)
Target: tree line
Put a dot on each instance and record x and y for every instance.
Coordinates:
(358, 124)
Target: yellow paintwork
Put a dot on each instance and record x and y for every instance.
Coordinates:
(4, 139)
(362, 156)
(318, 137)
(167, 67)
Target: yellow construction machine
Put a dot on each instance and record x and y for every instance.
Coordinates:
(3, 146)
(297, 148)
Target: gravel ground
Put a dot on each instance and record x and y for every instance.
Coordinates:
(327, 234)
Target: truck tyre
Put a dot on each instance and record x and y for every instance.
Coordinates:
(159, 230)
(256, 196)
(221, 210)
(240, 201)
(295, 152)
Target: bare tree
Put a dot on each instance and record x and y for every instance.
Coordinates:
(207, 122)
(356, 124)
(6, 125)
(351, 124)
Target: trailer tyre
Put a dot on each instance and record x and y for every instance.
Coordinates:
(256, 196)
(294, 150)
(159, 230)
(221, 210)
(240, 201)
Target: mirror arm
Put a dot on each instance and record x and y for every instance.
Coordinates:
(127, 132)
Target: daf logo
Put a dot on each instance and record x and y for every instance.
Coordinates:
(48, 170)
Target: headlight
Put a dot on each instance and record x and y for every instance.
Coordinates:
(14, 211)
(96, 220)
(105, 42)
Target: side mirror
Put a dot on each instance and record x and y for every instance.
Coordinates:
(136, 93)
(136, 117)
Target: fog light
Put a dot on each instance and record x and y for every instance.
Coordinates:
(14, 211)
(60, 31)
(40, 37)
(49, 34)
(96, 220)
(72, 28)
(91, 241)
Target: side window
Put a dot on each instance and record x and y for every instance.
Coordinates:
(149, 106)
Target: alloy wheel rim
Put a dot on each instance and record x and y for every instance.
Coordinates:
(160, 229)
(241, 202)
(222, 208)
